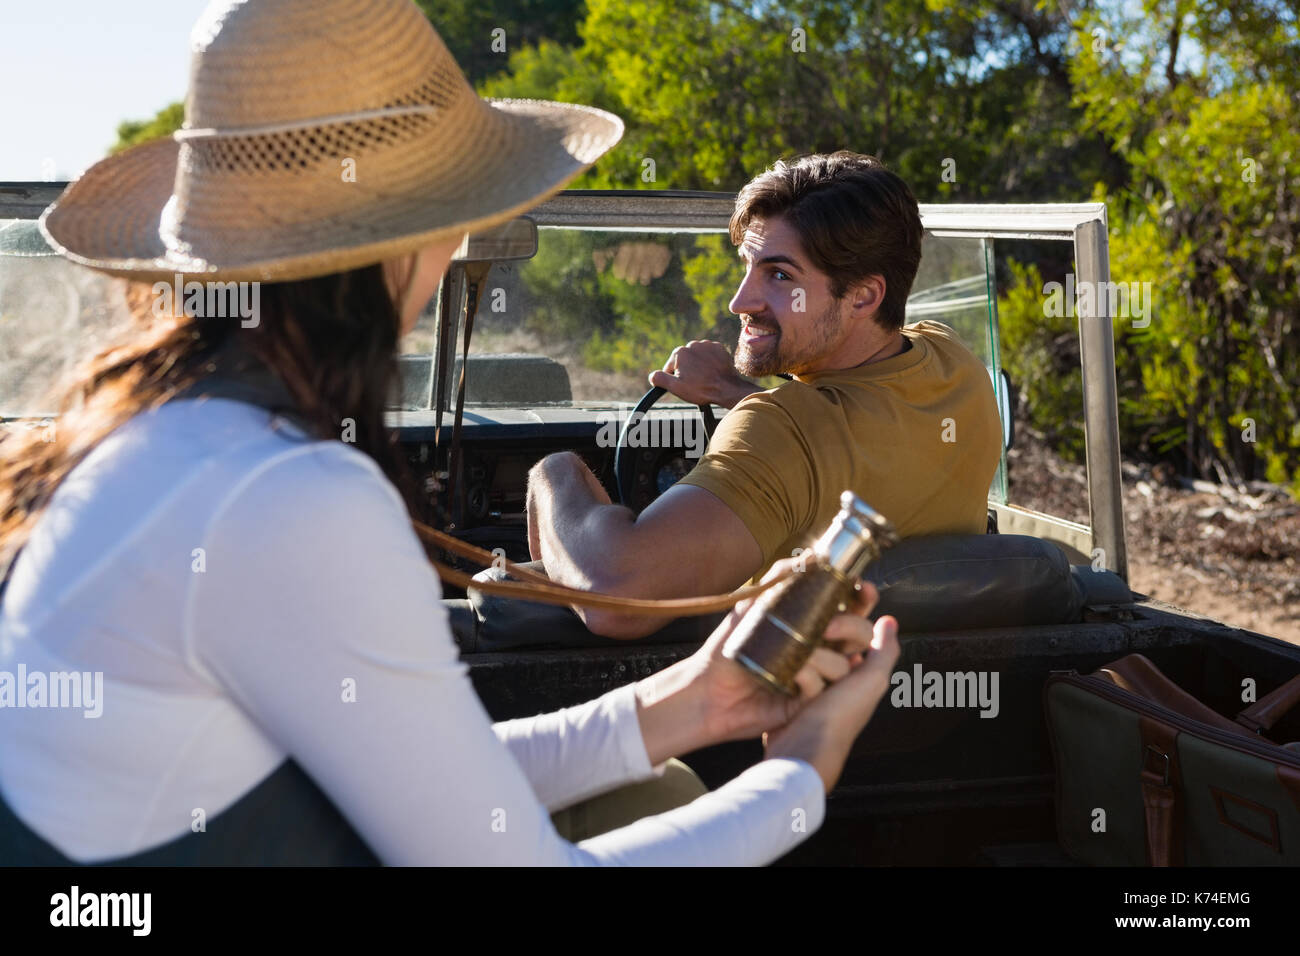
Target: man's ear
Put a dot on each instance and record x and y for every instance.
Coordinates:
(867, 296)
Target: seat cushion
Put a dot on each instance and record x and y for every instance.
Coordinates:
(961, 582)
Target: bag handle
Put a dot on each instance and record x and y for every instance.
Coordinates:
(539, 588)
(1269, 709)
(1160, 781)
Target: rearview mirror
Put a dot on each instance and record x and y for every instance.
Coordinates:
(513, 240)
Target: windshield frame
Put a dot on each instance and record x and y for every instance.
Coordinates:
(1083, 224)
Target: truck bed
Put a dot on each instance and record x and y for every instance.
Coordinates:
(928, 786)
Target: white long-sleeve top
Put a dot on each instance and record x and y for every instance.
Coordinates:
(250, 596)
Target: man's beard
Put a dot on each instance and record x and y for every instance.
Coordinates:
(769, 358)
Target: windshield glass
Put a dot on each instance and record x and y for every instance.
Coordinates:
(53, 315)
(587, 318)
(581, 323)
(584, 321)
(594, 311)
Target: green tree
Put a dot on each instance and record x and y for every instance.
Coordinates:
(714, 92)
(483, 35)
(134, 132)
(1200, 96)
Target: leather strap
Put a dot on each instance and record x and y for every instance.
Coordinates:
(539, 588)
(1161, 783)
(445, 345)
(476, 274)
(1269, 709)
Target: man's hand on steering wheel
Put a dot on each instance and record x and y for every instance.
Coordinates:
(703, 373)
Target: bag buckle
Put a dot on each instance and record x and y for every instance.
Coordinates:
(1164, 782)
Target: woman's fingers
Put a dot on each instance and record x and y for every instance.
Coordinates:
(884, 649)
(867, 597)
(849, 637)
(737, 612)
(856, 641)
(871, 679)
(829, 665)
(779, 567)
(848, 633)
(810, 684)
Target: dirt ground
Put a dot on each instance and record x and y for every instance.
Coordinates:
(1214, 551)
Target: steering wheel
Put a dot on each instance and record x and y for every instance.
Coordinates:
(643, 474)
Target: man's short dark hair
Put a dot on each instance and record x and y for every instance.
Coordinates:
(853, 216)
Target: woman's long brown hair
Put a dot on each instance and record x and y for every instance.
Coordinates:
(331, 341)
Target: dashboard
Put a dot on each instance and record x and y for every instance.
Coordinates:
(500, 445)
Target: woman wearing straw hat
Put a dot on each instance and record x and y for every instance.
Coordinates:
(266, 670)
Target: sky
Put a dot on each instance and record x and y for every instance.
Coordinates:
(71, 70)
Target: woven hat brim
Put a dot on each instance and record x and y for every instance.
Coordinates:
(111, 218)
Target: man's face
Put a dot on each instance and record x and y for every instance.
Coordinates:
(789, 321)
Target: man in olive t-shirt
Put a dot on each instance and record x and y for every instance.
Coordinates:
(911, 435)
(905, 417)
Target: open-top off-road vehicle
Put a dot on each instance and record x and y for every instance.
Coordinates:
(568, 322)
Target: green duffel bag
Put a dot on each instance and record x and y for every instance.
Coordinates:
(1146, 774)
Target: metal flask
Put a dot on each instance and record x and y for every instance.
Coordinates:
(785, 624)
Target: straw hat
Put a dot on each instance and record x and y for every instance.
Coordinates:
(320, 136)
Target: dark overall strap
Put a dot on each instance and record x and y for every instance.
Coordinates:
(286, 820)
(242, 378)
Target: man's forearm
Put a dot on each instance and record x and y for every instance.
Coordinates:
(586, 542)
(578, 531)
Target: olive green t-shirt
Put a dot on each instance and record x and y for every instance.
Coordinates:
(916, 436)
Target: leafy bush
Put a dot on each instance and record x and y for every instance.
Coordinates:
(1211, 219)
(1041, 354)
